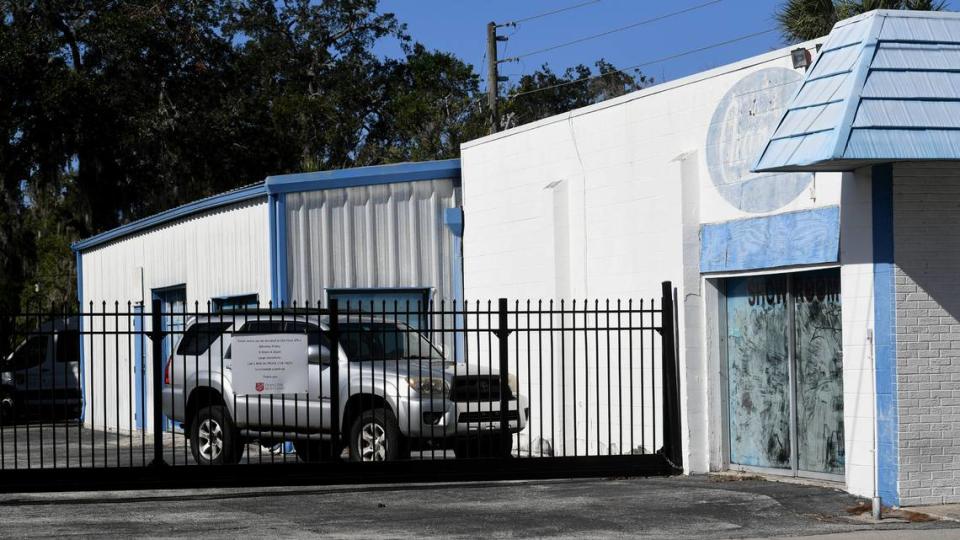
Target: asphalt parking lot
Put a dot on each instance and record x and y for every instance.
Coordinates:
(67, 445)
(677, 507)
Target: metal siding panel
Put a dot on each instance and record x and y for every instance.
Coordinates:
(912, 85)
(917, 56)
(848, 33)
(912, 114)
(802, 150)
(835, 61)
(933, 27)
(810, 119)
(389, 235)
(901, 144)
(820, 91)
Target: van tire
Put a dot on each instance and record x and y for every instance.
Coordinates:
(214, 438)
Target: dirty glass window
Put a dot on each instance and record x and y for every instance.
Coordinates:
(758, 371)
(819, 364)
(198, 338)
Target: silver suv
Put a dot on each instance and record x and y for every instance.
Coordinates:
(397, 393)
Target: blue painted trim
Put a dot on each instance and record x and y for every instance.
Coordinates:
(453, 219)
(231, 197)
(867, 52)
(281, 208)
(885, 337)
(140, 388)
(272, 218)
(365, 176)
(791, 239)
(83, 348)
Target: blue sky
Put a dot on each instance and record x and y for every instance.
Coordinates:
(459, 26)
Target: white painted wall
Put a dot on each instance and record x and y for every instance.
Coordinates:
(588, 204)
(217, 253)
(856, 282)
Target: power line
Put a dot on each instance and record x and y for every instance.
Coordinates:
(657, 61)
(614, 31)
(548, 13)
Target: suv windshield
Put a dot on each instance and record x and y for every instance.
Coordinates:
(385, 341)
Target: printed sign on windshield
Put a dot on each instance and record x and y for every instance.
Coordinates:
(270, 363)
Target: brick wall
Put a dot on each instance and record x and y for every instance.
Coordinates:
(926, 216)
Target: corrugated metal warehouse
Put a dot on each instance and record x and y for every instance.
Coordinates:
(366, 234)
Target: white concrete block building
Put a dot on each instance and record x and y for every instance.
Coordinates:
(806, 215)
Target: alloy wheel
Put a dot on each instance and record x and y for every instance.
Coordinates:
(372, 442)
(211, 439)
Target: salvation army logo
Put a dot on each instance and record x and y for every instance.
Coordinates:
(259, 387)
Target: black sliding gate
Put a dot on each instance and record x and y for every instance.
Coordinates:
(130, 397)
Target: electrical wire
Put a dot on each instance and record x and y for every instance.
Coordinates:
(647, 63)
(614, 31)
(548, 13)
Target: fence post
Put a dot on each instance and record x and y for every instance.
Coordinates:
(671, 379)
(334, 378)
(156, 337)
(503, 333)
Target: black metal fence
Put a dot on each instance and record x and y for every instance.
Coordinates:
(124, 388)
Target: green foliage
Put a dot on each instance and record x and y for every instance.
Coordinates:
(802, 20)
(545, 93)
(114, 110)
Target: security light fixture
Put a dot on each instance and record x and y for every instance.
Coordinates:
(800, 57)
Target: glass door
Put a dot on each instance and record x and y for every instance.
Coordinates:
(819, 372)
(784, 372)
(758, 372)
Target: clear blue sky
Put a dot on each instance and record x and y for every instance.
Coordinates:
(459, 26)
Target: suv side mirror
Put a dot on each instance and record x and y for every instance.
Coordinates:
(318, 355)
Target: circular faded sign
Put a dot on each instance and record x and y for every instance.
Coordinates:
(742, 124)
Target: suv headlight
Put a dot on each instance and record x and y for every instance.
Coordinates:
(512, 384)
(429, 386)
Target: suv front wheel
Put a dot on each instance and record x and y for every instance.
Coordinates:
(375, 436)
(214, 440)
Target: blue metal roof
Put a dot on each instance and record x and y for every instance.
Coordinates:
(885, 87)
(287, 183)
(365, 176)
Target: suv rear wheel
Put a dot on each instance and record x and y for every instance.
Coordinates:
(214, 440)
(375, 436)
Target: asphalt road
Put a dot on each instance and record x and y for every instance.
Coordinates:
(675, 508)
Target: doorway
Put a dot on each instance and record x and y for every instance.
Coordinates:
(784, 371)
(173, 309)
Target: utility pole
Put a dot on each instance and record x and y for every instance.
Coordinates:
(493, 76)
